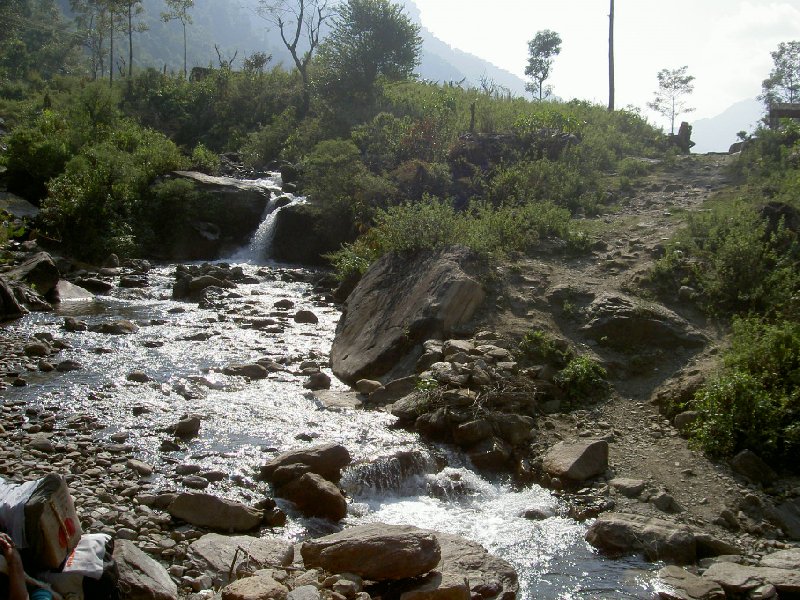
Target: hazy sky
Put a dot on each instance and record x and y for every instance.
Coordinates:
(725, 43)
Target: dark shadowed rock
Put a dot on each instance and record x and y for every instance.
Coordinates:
(215, 513)
(618, 534)
(487, 576)
(401, 302)
(39, 271)
(748, 464)
(141, 577)
(9, 307)
(377, 551)
(315, 497)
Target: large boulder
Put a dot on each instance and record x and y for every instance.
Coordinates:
(38, 271)
(377, 551)
(141, 577)
(618, 534)
(786, 516)
(738, 580)
(326, 460)
(215, 513)
(487, 576)
(255, 588)
(225, 216)
(621, 322)
(577, 461)
(304, 233)
(315, 497)
(10, 308)
(219, 555)
(401, 302)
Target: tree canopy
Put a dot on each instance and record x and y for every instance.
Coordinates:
(542, 50)
(673, 85)
(783, 83)
(370, 39)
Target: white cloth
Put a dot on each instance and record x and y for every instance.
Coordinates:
(13, 497)
(87, 558)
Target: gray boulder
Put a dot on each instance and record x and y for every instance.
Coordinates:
(786, 516)
(215, 554)
(738, 580)
(487, 576)
(439, 586)
(749, 465)
(401, 302)
(117, 327)
(141, 577)
(257, 587)
(577, 461)
(326, 460)
(65, 291)
(315, 497)
(622, 322)
(377, 551)
(618, 534)
(215, 513)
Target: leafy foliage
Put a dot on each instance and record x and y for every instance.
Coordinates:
(783, 83)
(542, 50)
(582, 379)
(673, 85)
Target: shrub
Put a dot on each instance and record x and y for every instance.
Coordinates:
(205, 161)
(266, 145)
(582, 379)
(537, 347)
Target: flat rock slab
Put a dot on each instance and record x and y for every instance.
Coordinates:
(377, 551)
(336, 399)
(439, 586)
(740, 579)
(678, 584)
(215, 553)
(209, 511)
(255, 588)
(619, 534)
(577, 461)
(783, 559)
(141, 576)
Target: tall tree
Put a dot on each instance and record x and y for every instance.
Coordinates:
(611, 57)
(298, 20)
(673, 86)
(369, 39)
(133, 8)
(179, 11)
(542, 50)
(783, 83)
(92, 20)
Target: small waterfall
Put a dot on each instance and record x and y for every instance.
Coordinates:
(401, 473)
(260, 245)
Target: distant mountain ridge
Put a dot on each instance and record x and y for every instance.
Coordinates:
(716, 134)
(234, 26)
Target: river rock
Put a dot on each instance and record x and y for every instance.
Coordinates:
(622, 322)
(10, 308)
(306, 316)
(326, 460)
(215, 513)
(257, 587)
(94, 284)
(439, 586)
(39, 271)
(679, 584)
(487, 576)
(577, 461)
(317, 381)
(618, 534)
(400, 303)
(738, 579)
(315, 496)
(214, 554)
(188, 426)
(783, 559)
(141, 577)
(367, 386)
(65, 291)
(117, 327)
(376, 551)
(251, 371)
(630, 488)
(73, 324)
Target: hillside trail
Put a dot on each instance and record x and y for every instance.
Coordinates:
(553, 293)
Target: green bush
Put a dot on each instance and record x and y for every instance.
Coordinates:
(538, 347)
(266, 145)
(582, 379)
(205, 161)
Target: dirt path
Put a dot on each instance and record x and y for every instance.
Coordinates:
(550, 293)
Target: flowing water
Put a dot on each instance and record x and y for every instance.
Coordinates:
(395, 478)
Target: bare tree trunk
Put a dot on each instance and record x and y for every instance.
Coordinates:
(611, 57)
(130, 39)
(111, 53)
(185, 74)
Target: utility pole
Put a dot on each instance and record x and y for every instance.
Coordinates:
(611, 57)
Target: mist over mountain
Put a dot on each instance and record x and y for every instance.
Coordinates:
(234, 26)
(716, 134)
